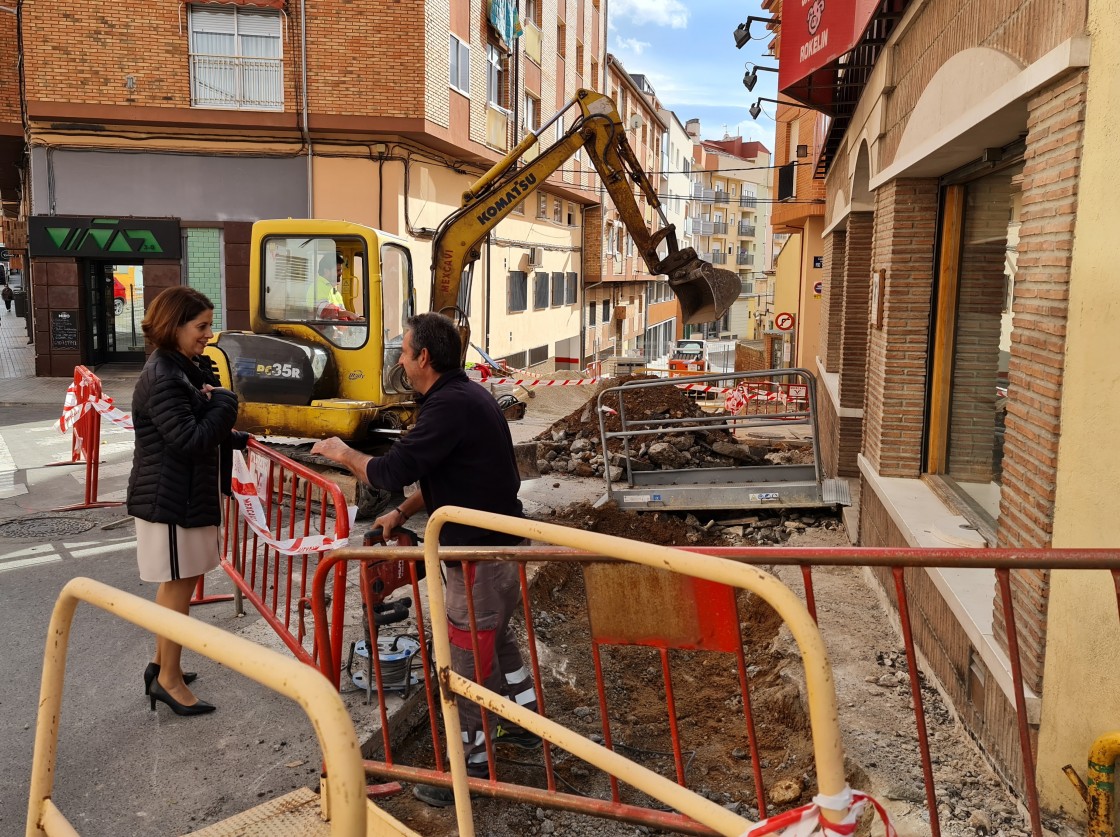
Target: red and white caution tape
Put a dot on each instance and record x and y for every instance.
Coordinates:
(806, 821)
(245, 492)
(72, 411)
(544, 382)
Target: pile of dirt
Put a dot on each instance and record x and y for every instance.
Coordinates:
(686, 529)
(573, 444)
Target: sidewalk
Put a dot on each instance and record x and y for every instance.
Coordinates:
(19, 386)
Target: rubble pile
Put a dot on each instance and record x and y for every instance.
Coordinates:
(573, 444)
(686, 529)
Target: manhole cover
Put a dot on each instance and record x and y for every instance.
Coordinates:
(45, 527)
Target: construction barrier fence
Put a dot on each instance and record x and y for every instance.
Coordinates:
(620, 606)
(342, 798)
(281, 518)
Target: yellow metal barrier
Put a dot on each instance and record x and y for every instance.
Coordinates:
(823, 712)
(344, 792)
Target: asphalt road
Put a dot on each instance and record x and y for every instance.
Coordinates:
(122, 769)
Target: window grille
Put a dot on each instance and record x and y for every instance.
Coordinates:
(236, 58)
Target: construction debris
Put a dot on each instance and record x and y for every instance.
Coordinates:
(573, 444)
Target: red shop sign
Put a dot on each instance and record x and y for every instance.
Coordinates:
(817, 32)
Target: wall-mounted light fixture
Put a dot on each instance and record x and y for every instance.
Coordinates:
(743, 30)
(750, 78)
(756, 108)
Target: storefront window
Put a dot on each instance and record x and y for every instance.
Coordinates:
(973, 330)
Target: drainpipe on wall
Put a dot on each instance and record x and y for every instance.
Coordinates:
(304, 123)
(486, 303)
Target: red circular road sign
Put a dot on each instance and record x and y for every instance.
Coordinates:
(784, 321)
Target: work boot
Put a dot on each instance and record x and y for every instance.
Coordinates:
(517, 737)
(435, 796)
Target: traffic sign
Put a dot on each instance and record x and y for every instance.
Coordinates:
(818, 287)
(784, 321)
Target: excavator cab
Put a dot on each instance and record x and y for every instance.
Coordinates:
(329, 301)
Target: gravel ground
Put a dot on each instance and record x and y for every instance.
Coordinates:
(876, 715)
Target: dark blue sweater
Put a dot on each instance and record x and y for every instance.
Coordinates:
(461, 452)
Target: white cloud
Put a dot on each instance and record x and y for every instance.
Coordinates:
(671, 13)
(632, 45)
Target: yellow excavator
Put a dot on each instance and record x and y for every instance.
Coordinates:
(322, 362)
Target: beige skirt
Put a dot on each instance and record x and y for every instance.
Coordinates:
(166, 552)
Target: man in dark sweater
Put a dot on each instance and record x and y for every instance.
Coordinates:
(461, 452)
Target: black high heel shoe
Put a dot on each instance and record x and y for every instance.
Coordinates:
(152, 672)
(159, 693)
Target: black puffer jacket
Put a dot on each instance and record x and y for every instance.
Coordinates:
(175, 465)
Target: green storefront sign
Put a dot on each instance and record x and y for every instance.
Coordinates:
(104, 238)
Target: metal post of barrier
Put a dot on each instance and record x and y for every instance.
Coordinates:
(916, 695)
(70, 404)
(88, 427)
(200, 598)
(1029, 780)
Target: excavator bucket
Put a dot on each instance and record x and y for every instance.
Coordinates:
(705, 292)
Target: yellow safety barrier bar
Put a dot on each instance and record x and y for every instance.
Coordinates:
(823, 712)
(345, 787)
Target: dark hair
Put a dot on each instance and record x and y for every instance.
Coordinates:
(327, 266)
(439, 336)
(172, 308)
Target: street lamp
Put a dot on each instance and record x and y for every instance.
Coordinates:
(756, 108)
(743, 30)
(750, 78)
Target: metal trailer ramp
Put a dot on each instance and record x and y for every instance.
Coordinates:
(771, 398)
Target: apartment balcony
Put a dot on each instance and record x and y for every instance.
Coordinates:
(702, 226)
(722, 196)
(719, 228)
(746, 229)
(497, 127)
(717, 257)
(222, 81)
(744, 258)
(748, 202)
(699, 192)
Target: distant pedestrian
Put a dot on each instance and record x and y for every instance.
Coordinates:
(7, 295)
(184, 436)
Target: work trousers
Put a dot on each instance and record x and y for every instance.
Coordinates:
(497, 595)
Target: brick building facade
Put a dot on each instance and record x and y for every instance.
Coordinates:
(214, 115)
(952, 167)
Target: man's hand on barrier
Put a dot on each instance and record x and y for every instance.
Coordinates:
(338, 451)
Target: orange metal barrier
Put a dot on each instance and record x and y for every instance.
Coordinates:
(298, 502)
(86, 436)
(724, 639)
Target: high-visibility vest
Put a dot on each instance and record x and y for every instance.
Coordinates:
(323, 292)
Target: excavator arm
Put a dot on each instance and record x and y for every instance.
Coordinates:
(704, 292)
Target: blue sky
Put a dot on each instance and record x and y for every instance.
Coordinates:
(687, 51)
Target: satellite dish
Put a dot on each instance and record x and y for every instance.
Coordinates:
(636, 122)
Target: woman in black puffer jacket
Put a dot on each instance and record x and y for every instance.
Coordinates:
(183, 418)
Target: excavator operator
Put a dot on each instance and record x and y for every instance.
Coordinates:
(324, 298)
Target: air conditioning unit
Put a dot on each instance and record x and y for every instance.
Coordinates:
(534, 256)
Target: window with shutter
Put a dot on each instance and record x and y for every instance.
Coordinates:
(570, 288)
(557, 289)
(540, 291)
(236, 58)
(518, 291)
